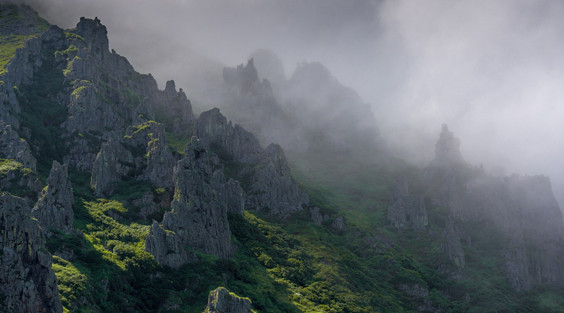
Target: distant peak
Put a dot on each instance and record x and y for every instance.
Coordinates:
(447, 149)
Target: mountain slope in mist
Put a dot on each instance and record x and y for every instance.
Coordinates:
(310, 111)
(155, 208)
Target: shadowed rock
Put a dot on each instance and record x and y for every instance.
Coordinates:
(54, 208)
(27, 282)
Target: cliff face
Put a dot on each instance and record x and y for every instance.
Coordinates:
(264, 173)
(27, 282)
(200, 206)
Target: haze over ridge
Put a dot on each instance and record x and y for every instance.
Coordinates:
(492, 70)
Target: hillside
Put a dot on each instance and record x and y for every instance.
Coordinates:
(116, 197)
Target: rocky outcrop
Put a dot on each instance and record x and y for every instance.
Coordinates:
(112, 162)
(27, 282)
(177, 109)
(14, 147)
(107, 95)
(339, 223)
(19, 181)
(522, 211)
(167, 248)
(216, 133)
(142, 153)
(264, 173)
(54, 208)
(317, 216)
(152, 157)
(271, 186)
(407, 211)
(202, 198)
(222, 300)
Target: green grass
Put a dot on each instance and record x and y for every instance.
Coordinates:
(10, 43)
(8, 46)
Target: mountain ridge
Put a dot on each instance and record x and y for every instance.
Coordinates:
(161, 219)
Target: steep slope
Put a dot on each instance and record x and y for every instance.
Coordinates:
(522, 209)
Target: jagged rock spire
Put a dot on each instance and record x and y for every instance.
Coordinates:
(54, 208)
(447, 149)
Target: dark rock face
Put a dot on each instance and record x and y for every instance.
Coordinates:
(268, 183)
(202, 198)
(27, 282)
(214, 131)
(106, 95)
(407, 211)
(272, 187)
(522, 210)
(54, 208)
(110, 166)
(13, 147)
(221, 300)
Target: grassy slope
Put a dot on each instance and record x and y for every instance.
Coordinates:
(10, 43)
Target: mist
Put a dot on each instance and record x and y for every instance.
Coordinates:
(492, 70)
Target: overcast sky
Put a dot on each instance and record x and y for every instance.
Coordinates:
(492, 70)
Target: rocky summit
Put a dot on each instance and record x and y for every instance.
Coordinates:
(116, 197)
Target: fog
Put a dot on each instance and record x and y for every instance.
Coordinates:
(492, 70)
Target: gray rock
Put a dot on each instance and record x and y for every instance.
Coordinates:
(155, 163)
(54, 208)
(221, 300)
(317, 216)
(216, 133)
(407, 211)
(27, 281)
(167, 248)
(338, 223)
(14, 147)
(113, 162)
(142, 153)
(264, 174)
(20, 181)
(202, 198)
(271, 185)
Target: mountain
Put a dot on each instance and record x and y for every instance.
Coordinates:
(116, 197)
